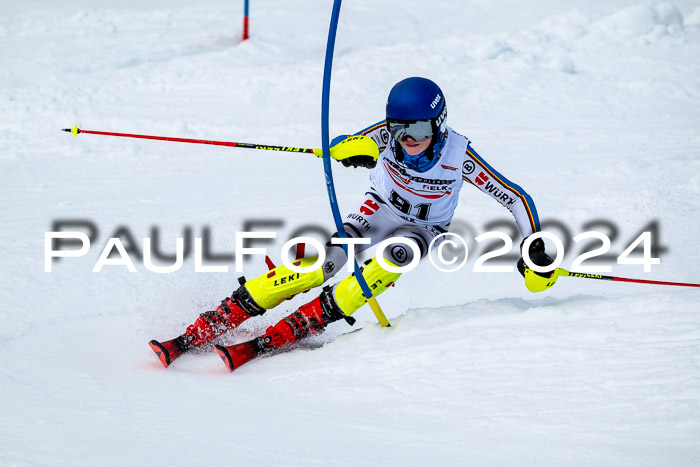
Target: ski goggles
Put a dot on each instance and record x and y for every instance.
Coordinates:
(419, 130)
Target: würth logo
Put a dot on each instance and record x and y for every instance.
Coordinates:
(448, 167)
(481, 178)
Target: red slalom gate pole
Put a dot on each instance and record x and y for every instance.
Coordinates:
(564, 272)
(245, 20)
(76, 131)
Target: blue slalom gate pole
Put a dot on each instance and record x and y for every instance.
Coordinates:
(325, 138)
(245, 19)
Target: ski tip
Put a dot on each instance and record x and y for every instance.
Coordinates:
(75, 130)
(161, 352)
(225, 356)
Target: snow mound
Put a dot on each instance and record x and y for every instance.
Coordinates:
(643, 19)
(693, 19)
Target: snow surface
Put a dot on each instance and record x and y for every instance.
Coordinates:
(593, 107)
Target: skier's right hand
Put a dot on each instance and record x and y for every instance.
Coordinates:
(353, 151)
(359, 161)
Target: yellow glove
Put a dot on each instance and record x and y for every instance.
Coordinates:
(538, 281)
(355, 151)
(535, 282)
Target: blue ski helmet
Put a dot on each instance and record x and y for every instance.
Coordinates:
(416, 108)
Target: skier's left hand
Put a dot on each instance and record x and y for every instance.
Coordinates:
(537, 281)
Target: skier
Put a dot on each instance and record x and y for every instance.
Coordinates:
(414, 190)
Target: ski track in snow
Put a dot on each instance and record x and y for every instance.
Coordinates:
(592, 107)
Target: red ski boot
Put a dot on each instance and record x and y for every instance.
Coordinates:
(309, 319)
(211, 324)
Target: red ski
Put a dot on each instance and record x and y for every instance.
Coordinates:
(210, 325)
(168, 351)
(236, 355)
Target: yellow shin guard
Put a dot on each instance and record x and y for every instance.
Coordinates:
(348, 294)
(275, 286)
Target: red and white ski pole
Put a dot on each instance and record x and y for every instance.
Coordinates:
(317, 152)
(564, 272)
